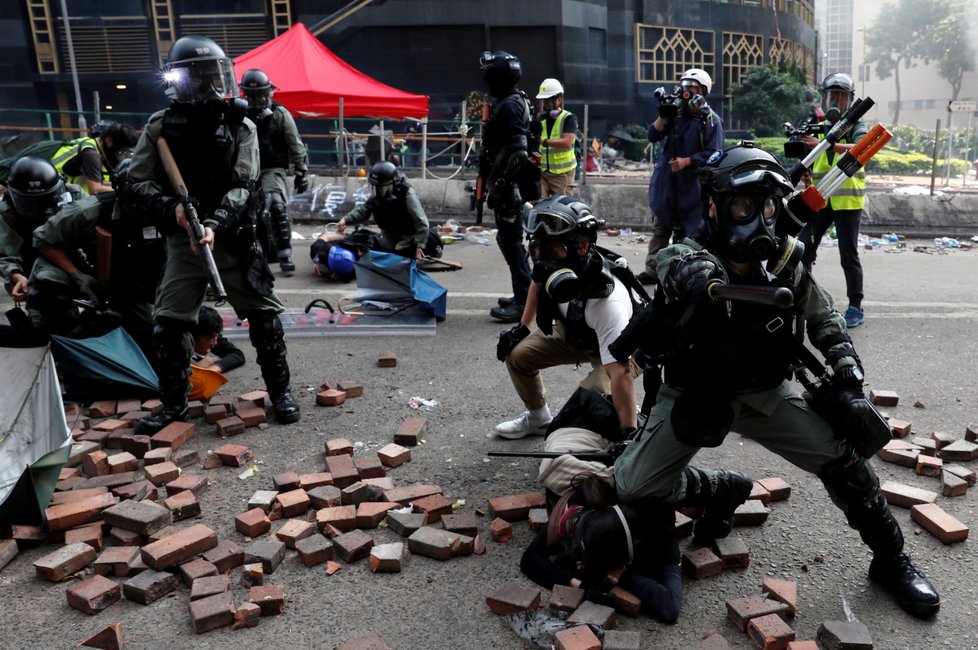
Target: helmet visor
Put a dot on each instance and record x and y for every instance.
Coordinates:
(774, 182)
(549, 223)
(39, 205)
(200, 81)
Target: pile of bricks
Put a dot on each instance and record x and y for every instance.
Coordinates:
(764, 617)
(942, 456)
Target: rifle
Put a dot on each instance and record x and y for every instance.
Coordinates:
(196, 228)
(839, 129)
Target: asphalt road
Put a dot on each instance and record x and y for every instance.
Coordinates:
(918, 340)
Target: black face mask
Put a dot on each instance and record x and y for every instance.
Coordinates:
(745, 224)
(568, 275)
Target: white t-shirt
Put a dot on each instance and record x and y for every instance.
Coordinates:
(607, 317)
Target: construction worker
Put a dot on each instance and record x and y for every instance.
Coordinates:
(557, 138)
(89, 162)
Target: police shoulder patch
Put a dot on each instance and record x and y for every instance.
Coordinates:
(715, 156)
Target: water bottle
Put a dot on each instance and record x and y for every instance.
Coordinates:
(482, 240)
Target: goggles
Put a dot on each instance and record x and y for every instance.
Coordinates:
(743, 208)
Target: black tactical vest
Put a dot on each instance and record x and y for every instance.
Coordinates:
(271, 141)
(390, 213)
(205, 148)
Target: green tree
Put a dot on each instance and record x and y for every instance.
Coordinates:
(770, 95)
(951, 47)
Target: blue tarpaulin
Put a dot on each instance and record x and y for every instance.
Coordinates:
(104, 367)
(391, 278)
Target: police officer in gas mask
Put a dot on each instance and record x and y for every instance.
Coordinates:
(580, 306)
(729, 367)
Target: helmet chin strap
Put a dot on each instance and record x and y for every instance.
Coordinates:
(628, 532)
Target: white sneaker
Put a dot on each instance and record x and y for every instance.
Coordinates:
(524, 425)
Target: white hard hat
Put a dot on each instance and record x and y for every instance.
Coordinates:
(549, 88)
(700, 76)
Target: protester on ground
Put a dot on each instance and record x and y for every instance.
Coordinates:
(558, 137)
(211, 348)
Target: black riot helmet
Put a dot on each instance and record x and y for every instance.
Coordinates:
(562, 232)
(746, 186)
(257, 89)
(382, 177)
(838, 90)
(197, 72)
(502, 71)
(35, 187)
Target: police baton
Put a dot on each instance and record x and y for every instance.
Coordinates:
(780, 297)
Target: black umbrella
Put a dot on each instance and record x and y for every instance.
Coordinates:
(621, 135)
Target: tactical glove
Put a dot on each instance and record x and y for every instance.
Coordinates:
(86, 285)
(509, 339)
(690, 277)
(301, 183)
(504, 196)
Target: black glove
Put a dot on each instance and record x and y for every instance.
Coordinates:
(504, 196)
(510, 339)
(86, 285)
(301, 183)
(690, 277)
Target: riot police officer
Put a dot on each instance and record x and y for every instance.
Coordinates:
(215, 148)
(504, 153)
(278, 140)
(726, 366)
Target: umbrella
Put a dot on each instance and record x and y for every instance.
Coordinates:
(621, 135)
(34, 438)
(393, 281)
(104, 367)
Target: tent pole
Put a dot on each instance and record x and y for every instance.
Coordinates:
(383, 136)
(424, 146)
(341, 152)
(461, 145)
(586, 147)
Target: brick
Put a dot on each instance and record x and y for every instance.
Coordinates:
(405, 523)
(770, 632)
(343, 518)
(330, 397)
(593, 614)
(215, 413)
(884, 397)
(777, 487)
(111, 425)
(354, 545)
(116, 561)
(68, 472)
(732, 552)
(295, 503)
(123, 462)
(625, 601)
(939, 523)
(96, 463)
(621, 640)
(126, 537)
(102, 409)
(246, 615)
(699, 563)
(969, 475)
(339, 447)
(684, 526)
(110, 481)
(293, 530)
(157, 456)
(409, 432)
(63, 562)
(759, 493)
(960, 451)
(173, 435)
(78, 451)
(928, 446)
(928, 466)
(387, 558)
(354, 494)
(850, 635)
(462, 523)
(211, 461)
(904, 457)
(263, 499)
(179, 547)
(252, 417)
(566, 599)
(942, 439)
(183, 505)
(161, 473)
(90, 534)
(94, 594)
(258, 397)
(741, 610)
(194, 482)
(269, 552)
(751, 513)
(371, 641)
(196, 408)
(370, 514)
(234, 455)
(76, 495)
(209, 586)
(154, 406)
(314, 480)
(314, 549)
(286, 481)
(513, 597)
(369, 466)
(225, 556)
(439, 544)
(350, 387)
(971, 432)
(802, 645)
(394, 455)
(386, 360)
(579, 637)
(408, 493)
(269, 598)
(127, 405)
(501, 530)
(383, 484)
(783, 591)
(76, 513)
(8, 551)
(899, 428)
(230, 402)
(515, 507)
(252, 574)
(63, 485)
(343, 470)
(229, 426)
(185, 457)
(906, 496)
(252, 523)
(109, 638)
(325, 496)
(138, 446)
(433, 507)
(196, 569)
(142, 517)
(149, 586)
(27, 536)
(212, 612)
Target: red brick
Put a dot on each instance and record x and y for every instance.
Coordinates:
(330, 397)
(252, 574)
(314, 480)
(209, 586)
(325, 496)
(294, 503)
(408, 493)
(112, 425)
(370, 514)
(576, 638)
(394, 455)
(369, 466)
(433, 507)
(339, 447)
(386, 360)
(538, 518)
(194, 482)
(314, 550)
(515, 507)
(127, 405)
(294, 530)
(76, 513)
(234, 455)
(183, 505)
(566, 599)
(229, 426)
(8, 551)
(110, 638)
(350, 387)
(777, 486)
(116, 560)
(354, 545)
(751, 513)
(143, 517)
(387, 558)
(90, 534)
(939, 523)
(179, 547)
(78, 451)
(252, 523)
(94, 594)
(513, 597)
(212, 612)
(899, 428)
(63, 562)
(501, 530)
(942, 439)
(684, 525)
(969, 475)
(161, 473)
(258, 397)
(741, 610)
(343, 470)
(215, 413)
(154, 406)
(185, 457)
(593, 614)
(733, 552)
(225, 556)
(959, 451)
(439, 544)
(625, 601)
(463, 523)
(156, 456)
(884, 397)
(409, 431)
(928, 446)
(701, 563)
(344, 518)
(899, 456)
(102, 409)
(759, 493)
(173, 435)
(952, 485)
(928, 465)
(802, 645)
(286, 481)
(123, 537)
(906, 496)
(770, 632)
(252, 417)
(246, 615)
(784, 591)
(96, 463)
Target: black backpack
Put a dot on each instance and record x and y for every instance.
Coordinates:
(41, 149)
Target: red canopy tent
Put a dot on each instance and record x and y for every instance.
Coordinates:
(310, 80)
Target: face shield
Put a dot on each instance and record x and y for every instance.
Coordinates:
(835, 102)
(383, 190)
(41, 205)
(258, 98)
(200, 81)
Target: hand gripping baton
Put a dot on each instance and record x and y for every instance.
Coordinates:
(196, 228)
(780, 297)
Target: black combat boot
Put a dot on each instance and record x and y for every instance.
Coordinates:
(265, 330)
(719, 492)
(853, 486)
(173, 345)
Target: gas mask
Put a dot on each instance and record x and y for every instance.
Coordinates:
(691, 98)
(746, 229)
(549, 108)
(565, 274)
(834, 104)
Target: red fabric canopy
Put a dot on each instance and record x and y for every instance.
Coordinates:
(309, 80)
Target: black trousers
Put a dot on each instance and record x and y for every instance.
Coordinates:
(847, 231)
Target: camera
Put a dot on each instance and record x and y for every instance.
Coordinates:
(669, 103)
(811, 125)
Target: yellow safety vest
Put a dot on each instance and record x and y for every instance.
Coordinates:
(851, 195)
(558, 161)
(72, 150)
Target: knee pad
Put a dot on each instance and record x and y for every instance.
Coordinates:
(265, 330)
(852, 484)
